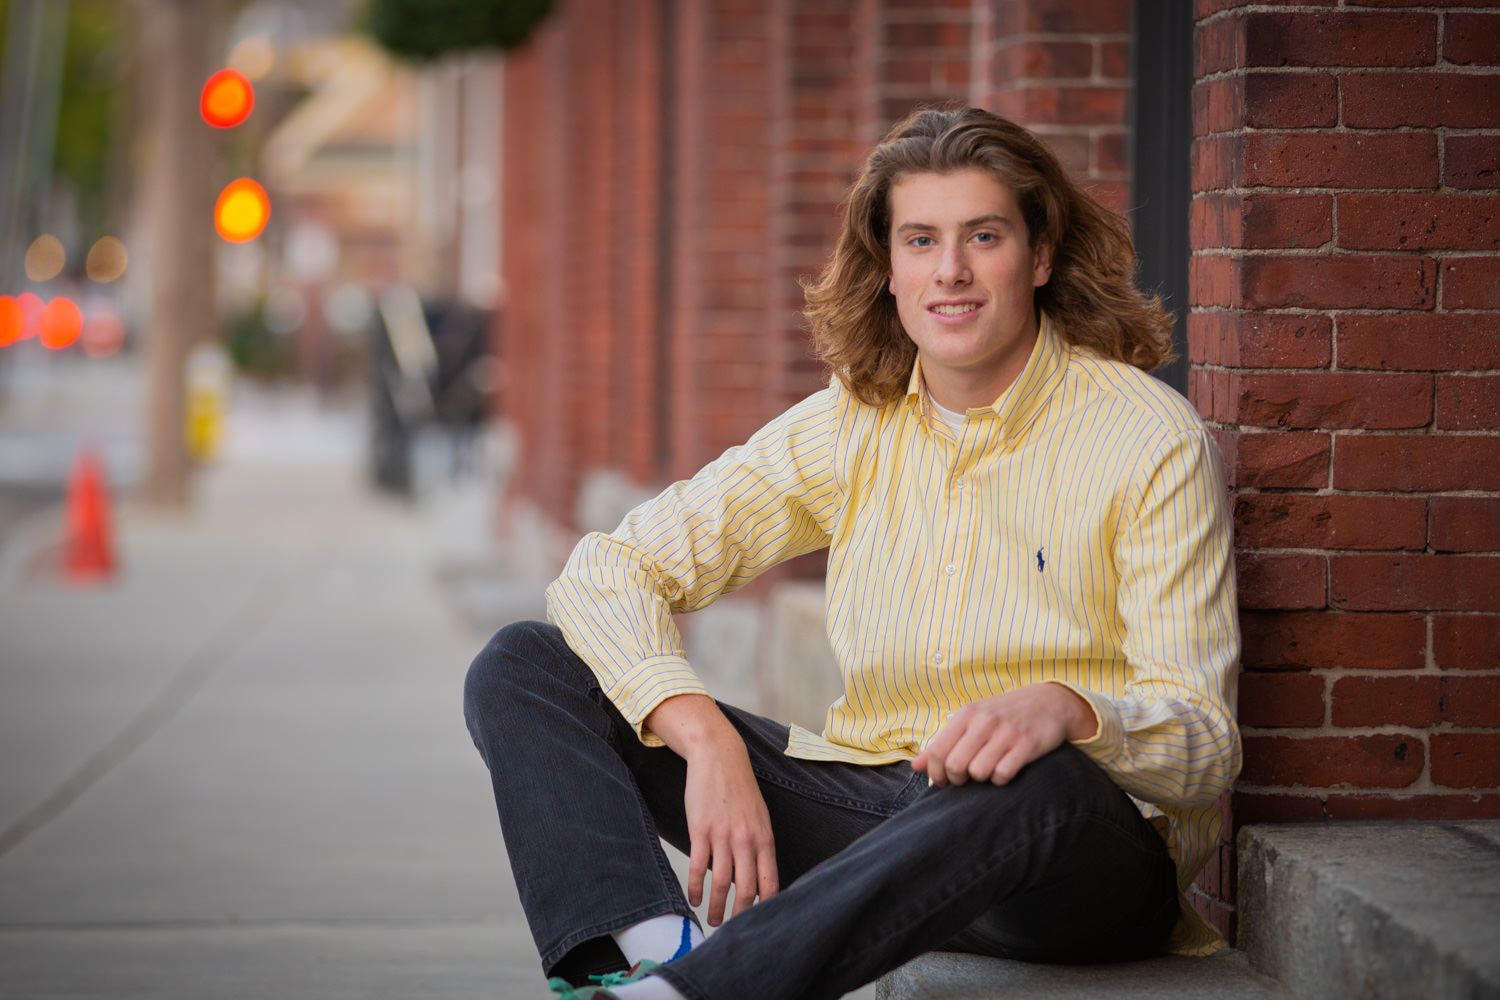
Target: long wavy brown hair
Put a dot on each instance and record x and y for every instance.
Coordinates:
(1091, 296)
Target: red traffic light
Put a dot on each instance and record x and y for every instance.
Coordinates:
(227, 99)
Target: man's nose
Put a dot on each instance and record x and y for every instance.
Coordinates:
(953, 268)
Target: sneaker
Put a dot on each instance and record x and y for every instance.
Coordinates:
(599, 990)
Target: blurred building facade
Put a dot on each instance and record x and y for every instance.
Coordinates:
(672, 167)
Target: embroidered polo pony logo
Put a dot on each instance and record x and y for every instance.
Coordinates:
(1041, 563)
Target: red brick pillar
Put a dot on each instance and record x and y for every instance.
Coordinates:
(720, 254)
(536, 131)
(638, 259)
(588, 319)
(814, 153)
(1344, 337)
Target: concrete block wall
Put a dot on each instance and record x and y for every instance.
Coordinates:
(1344, 343)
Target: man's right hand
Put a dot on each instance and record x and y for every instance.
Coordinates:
(728, 824)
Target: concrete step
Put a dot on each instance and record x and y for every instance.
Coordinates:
(951, 976)
(1379, 910)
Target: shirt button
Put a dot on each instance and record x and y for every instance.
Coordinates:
(958, 483)
(937, 658)
(950, 569)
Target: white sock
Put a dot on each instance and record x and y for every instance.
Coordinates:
(660, 939)
(650, 988)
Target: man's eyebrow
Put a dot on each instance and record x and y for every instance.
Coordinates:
(983, 220)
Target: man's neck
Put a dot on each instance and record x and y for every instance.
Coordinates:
(953, 391)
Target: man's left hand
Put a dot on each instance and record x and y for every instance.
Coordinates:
(992, 739)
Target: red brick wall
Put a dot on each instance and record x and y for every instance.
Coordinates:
(1344, 340)
(527, 199)
(590, 307)
(814, 151)
(1061, 68)
(1345, 336)
(723, 389)
(771, 108)
(637, 265)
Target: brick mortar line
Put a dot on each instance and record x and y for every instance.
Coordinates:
(1344, 310)
(1443, 131)
(1062, 82)
(1422, 432)
(1055, 130)
(1426, 431)
(1442, 156)
(1262, 8)
(1326, 251)
(1302, 550)
(1338, 107)
(1076, 38)
(1426, 614)
(1262, 189)
(1447, 69)
(1383, 729)
(1373, 672)
(926, 16)
(1414, 790)
(1422, 784)
(1258, 8)
(1326, 491)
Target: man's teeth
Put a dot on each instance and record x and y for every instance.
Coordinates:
(954, 310)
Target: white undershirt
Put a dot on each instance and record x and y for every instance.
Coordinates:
(955, 421)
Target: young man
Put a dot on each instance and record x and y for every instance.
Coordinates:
(1030, 598)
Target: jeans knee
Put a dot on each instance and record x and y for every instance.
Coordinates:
(523, 656)
(495, 666)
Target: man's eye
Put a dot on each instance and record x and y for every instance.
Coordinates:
(921, 241)
(985, 237)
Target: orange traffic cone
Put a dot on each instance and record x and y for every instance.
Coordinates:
(89, 555)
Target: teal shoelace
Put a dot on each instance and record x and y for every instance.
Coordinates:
(565, 989)
(613, 979)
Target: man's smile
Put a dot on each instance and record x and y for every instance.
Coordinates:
(954, 310)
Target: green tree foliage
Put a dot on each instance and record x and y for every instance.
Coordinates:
(421, 30)
(82, 156)
(86, 115)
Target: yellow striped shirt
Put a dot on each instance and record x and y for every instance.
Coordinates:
(1077, 530)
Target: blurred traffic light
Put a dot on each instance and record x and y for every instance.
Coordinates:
(62, 322)
(243, 208)
(11, 320)
(227, 99)
(242, 211)
(31, 314)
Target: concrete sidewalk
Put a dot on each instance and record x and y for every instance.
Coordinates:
(240, 769)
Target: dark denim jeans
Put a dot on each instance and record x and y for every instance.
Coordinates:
(875, 866)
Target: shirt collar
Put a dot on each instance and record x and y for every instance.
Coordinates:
(1024, 398)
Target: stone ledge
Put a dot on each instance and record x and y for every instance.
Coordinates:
(942, 975)
(1373, 909)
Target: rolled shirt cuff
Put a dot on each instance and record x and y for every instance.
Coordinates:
(1108, 741)
(637, 693)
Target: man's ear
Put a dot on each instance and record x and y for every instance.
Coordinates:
(1041, 265)
(890, 283)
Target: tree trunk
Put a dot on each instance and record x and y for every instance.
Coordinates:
(182, 40)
